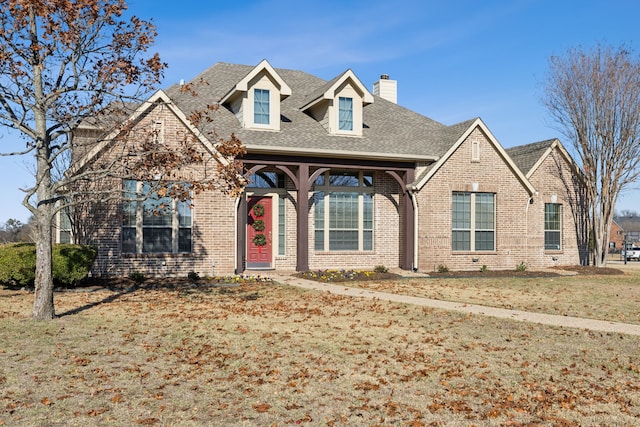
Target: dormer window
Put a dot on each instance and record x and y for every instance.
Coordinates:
(255, 100)
(345, 114)
(339, 105)
(261, 106)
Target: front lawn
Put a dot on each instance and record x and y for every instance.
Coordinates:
(268, 354)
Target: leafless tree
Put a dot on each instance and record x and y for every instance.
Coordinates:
(594, 98)
(62, 63)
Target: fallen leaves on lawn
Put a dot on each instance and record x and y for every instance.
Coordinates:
(212, 356)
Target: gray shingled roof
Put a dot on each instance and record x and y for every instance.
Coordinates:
(389, 129)
(526, 156)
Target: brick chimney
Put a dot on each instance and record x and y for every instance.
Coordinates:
(387, 89)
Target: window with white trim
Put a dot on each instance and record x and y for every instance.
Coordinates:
(261, 107)
(156, 224)
(343, 211)
(345, 114)
(65, 234)
(552, 226)
(473, 222)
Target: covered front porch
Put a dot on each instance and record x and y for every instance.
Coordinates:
(311, 212)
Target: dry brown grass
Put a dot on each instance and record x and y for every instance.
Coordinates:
(609, 297)
(274, 355)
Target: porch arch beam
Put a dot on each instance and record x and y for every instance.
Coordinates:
(316, 174)
(254, 169)
(399, 180)
(290, 174)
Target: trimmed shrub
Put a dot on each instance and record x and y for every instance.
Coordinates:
(71, 263)
(137, 277)
(380, 269)
(18, 264)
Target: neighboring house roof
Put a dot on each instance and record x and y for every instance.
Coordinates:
(390, 131)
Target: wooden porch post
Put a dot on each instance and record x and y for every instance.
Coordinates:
(241, 261)
(409, 225)
(302, 243)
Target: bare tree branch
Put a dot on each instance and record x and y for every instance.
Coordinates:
(594, 98)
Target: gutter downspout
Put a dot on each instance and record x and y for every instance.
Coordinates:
(411, 189)
(530, 201)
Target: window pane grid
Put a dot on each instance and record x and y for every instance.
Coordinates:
(552, 226)
(261, 107)
(164, 224)
(282, 225)
(473, 221)
(345, 113)
(347, 223)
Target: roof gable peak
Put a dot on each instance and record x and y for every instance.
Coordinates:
(263, 67)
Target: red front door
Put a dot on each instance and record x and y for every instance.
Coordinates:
(259, 229)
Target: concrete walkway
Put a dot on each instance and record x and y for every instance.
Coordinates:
(523, 316)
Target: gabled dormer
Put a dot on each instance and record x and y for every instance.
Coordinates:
(255, 99)
(338, 105)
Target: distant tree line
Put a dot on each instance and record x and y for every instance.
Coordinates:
(15, 231)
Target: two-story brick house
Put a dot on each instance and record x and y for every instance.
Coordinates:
(340, 177)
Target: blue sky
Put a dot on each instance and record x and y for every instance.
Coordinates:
(453, 60)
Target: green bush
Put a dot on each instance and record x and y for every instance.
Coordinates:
(71, 263)
(443, 268)
(137, 277)
(521, 267)
(18, 264)
(380, 269)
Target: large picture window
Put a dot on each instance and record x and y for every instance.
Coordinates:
(343, 211)
(155, 224)
(473, 222)
(552, 226)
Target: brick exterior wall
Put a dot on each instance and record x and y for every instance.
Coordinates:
(214, 233)
(616, 236)
(555, 183)
(519, 223)
(213, 225)
(459, 173)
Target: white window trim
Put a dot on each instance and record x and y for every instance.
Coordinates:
(472, 230)
(559, 230)
(269, 124)
(175, 226)
(361, 190)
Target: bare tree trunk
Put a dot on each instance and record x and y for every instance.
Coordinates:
(43, 308)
